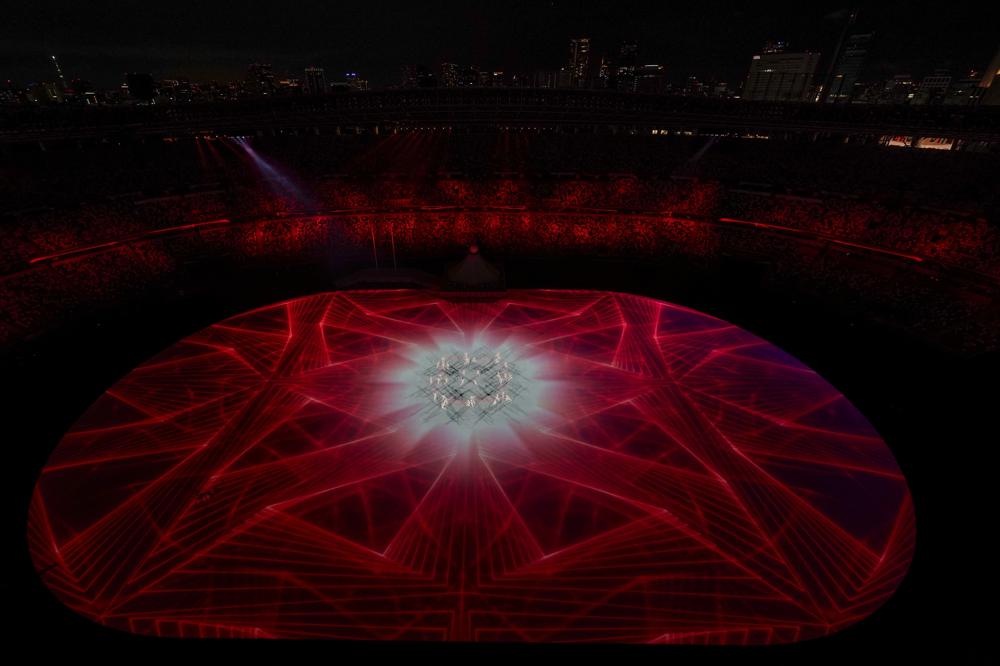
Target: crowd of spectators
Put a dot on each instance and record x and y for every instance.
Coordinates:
(950, 238)
(917, 300)
(124, 218)
(960, 241)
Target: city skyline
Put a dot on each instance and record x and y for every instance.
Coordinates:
(777, 72)
(96, 44)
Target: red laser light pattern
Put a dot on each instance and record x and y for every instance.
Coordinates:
(674, 479)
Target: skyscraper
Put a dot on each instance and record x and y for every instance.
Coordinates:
(776, 75)
(547, 78)
(449, 74)
(315, 81)
(604, 72)
(260, 79)
(827, 82)
(625, 79)
(848, 67)
(468, 77)
(579, 60)
(991, 82)
(651, 79)
(59, 74)
(418, 76)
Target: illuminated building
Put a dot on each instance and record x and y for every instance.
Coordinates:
(604, 72)
(848, 67)
(491, 79)
(9, 94)
(286, 87)
(546, 78)
(355, 82)
(625, 74)
(260, 79)
(933, 88)
(418, 76)
(777, 75)
(449, 75)
(315, 81)
(651, 79)
(468, 77)
(898, 90)
(579, 61)
(44, 93)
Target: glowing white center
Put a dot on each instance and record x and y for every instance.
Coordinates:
(470, 387)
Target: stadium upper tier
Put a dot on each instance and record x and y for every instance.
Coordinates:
(910, 234)
(539, 109)
(70, 174)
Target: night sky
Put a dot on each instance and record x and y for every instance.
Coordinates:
(98, 40)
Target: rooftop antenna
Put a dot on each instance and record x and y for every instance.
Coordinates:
(62, 79)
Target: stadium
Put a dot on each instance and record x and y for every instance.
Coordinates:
(730, 354)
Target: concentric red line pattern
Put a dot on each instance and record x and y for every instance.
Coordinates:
(695, 484)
